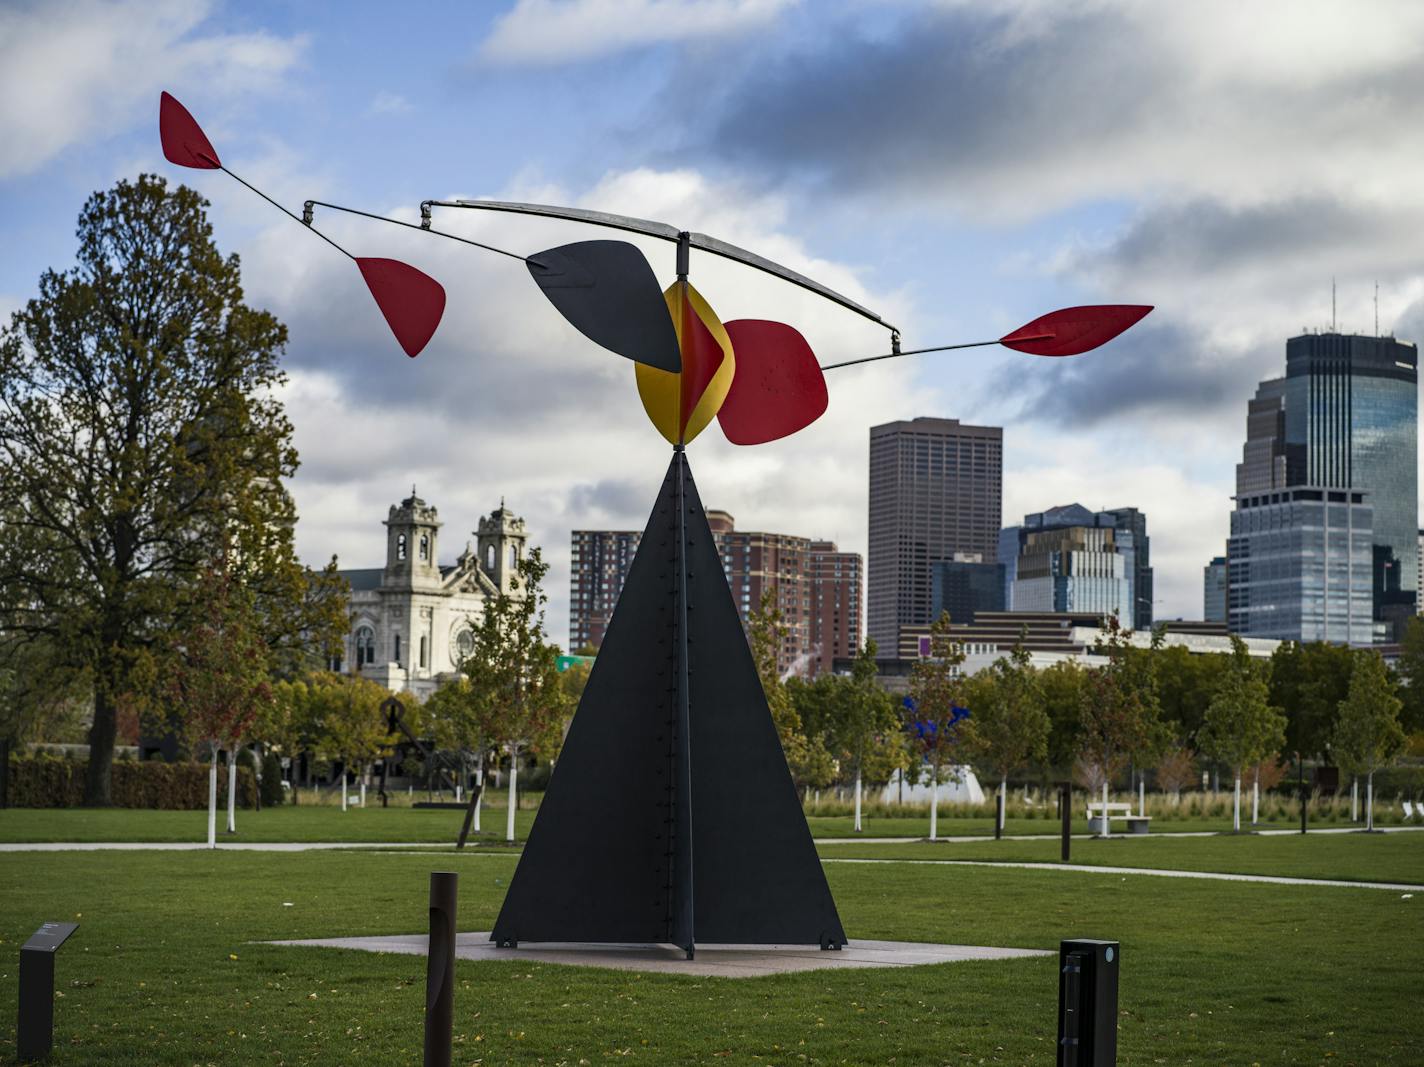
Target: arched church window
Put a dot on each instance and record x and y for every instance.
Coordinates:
(464, 645)
(365, 646)
(400, 546)
(397, 655)
(513, 556)
(424, 546)
(489, 557)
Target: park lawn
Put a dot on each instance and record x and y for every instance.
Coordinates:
(163, 970)
(287, 823)
(1393, 857)
(373, 824)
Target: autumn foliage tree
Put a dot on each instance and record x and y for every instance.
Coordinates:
(937, 707)
(141, 432)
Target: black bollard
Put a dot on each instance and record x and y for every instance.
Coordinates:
(35, 1036)
(440, 969)
(998, 816)
(1065, 806)
(1087, 1003)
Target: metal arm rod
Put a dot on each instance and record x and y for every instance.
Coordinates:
(936, 348)
(663, 231)
(306, 214)
(285, 211)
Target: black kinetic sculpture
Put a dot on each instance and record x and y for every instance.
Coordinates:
(671, 817)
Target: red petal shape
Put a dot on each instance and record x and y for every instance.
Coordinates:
(1069, 331)
(184, 141)
(411, 300)
(778, 388)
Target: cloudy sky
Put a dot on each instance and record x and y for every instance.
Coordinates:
(960, 167)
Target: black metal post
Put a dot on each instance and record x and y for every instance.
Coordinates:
(440, 969)
(1304, 796)
(1087, 1003)
(683, 933)
(998, 816)
(1065, 808)
(34, 1036)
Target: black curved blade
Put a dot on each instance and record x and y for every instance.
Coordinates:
(608, 292)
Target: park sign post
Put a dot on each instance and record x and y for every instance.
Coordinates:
(643, 836)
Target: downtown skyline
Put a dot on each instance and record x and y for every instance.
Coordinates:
(1205, 194)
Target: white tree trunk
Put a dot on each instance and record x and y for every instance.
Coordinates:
(934, 805)
(857, 800)
(364, 774)
(1355, 799)
(213, 801)
(1103, 825)
(1236, 807)
(1141, 798)
(1370, 801)
(479, 781)
(1256, 799)
(513, 795)
(1002, 813)
(342, 782)
(232, 790)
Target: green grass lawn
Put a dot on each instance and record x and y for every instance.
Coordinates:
(1342, 857)
(306, 822)
(163, 971)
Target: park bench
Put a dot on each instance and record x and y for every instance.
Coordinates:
(1100, 818)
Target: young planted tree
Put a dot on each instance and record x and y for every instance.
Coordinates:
(141, 434)
(862, 718)
(219, 678)
(346, 725)
(1176, 770)
(1368, 734)
(515, 693)
(936, 708)
(456, 719)
(806, 756)
(1241, 727)
(1008, 728)
(1119, 715)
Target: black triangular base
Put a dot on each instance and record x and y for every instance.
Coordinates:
(610, 857)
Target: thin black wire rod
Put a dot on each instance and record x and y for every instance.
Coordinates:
(936, 348)
(423, 227)
(286, 211)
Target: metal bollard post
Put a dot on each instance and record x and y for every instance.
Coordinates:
(35, 1034)
(1065, 807)
(1087, 1003)
(998, 816)
(440, 969)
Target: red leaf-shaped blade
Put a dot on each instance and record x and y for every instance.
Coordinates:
(184, 141)
(778, 387)
(411, 300)
(1069, 331)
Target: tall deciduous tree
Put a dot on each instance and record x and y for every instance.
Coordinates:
(140, 433)
(1308, 682)
(345, 722)
(937, 698)
(1008, 728)
(1368, 735)
(513, 673)
(1242, 727)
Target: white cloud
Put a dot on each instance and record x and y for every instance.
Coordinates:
(84, 68)
(554, 31)
(388, 103)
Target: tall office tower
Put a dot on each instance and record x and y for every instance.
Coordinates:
(1214, 590)
(816, 587)
(1131, 526)
(936, 488)
(1341, 428)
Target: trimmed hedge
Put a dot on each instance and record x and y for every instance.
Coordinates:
(48, 782)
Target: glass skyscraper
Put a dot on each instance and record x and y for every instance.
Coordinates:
(1071, 559)
(1342, 428)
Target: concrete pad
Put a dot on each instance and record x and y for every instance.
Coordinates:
(724, 961)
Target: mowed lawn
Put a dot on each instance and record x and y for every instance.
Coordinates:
(164, 970)
(323, 823)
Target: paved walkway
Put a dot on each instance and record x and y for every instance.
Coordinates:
(725, 961)
(1215, 876)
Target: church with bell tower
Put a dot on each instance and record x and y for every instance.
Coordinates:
(412, 621)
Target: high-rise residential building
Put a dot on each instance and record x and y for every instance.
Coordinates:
(965, 586)
(816, 587)
(1342, 423)
(1214, 590)
(936, 488)
(1071, 559)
